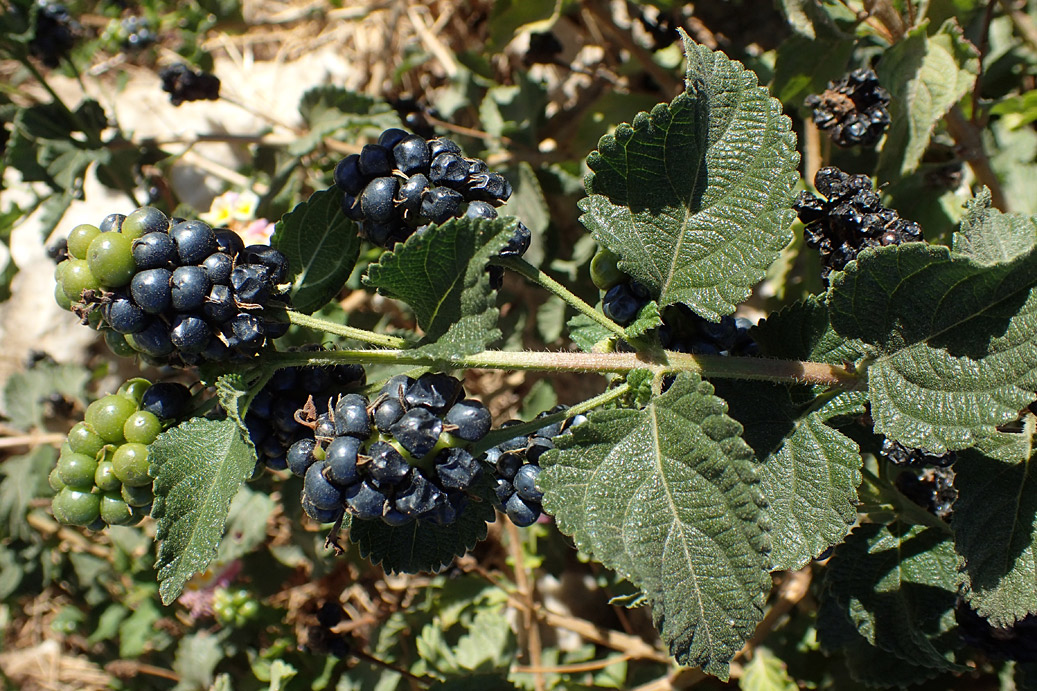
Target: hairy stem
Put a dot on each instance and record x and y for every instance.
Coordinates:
(352, 332)
(667, 362)
(527, 270)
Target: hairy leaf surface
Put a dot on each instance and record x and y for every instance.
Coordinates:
(955, 342)
(321, 245)
(442, 275)
(898, 587)
(669, 497)
(991, 237)
(329, 109)
(198, 468)
(421, 546)
(925, 75)
(696, 196)
(995, 526)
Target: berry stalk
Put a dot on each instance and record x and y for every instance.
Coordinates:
(362, 335)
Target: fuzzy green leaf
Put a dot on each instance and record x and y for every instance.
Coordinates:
(442, 275)
(198, 468)
(696, 197)
(330, 109)
(25, 392)
(995, 525)
(587, 333)
(925, 75)
(898, 586)
(669, 497)
(991, 237)
(421, 546)
(766, 672)
(321, 245)
(955, 342)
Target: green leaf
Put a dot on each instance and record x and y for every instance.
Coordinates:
(321, 245)
(476, 682)
(280, 673)
(488, 645)
(995, 525)
(991, 237)
(669, 497)
(246, 524)
(196, 660)
(802, 331)
(198, 468)
(587, 333)
(898, 586)
(420, 545)
(804, 66)
(24, 479)
(766, 673)
(25, 392)
(955, 342)
(696, 197)
(925, 75)
(647, 320)
(442, 275)
(329, 109)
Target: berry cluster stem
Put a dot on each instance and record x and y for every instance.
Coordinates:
(352, 332)
(532, 273)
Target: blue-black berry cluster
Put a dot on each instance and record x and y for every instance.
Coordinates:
(1016, 642)
(682, 330)
(270, 419)
(184, 84)
(930, 487)
(516, 467)
(854, 109)
(401, 457)
(135, 33)
(54, 35)
(404, 182)
(850, 219)
(898, 454)
(171, 290)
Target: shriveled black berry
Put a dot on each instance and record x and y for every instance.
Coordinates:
(448, 169)
(184, 84)
(440, 204)
(853, 109)
(273, 260)
(418, 431)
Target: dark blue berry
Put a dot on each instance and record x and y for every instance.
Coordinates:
(348, 177)
(376, 201)
(325, 428)
(189, 287)
(536, 448)
(153, 340)
(441, 145)
(437, 392)
(321, 515)
(397, 387)
(471, 418)
(391, 137)
(194, 241)
(190, 334)
(318, 490)
(229, 242)
(418, 431)
(219, 266)
(448, 169)
(525, 483)
(518, 243)
(508, 465)
(245, 332)
(502, 490)
(153, 251)
(521, 512)
(419, 496)
(351, 207)
(150, 290)
(113, 223)
(123, 315)
(387, 467)
(351, 416)
(219, 306)
(440, 204)
(387, 413)
(250, 284)
(412, 155)
(411, 193)
(314, 378)
(620, 305)
(375, 161)
(341, 460)
(300, 455)
(166, 400)
(456, 468)
(263, 255)
(365, 501)
(489, 187)
(480, 209)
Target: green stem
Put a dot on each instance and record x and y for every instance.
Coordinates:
(903, 506)
(524, 268)
(718, 366)
(352, 332)
(501, 435)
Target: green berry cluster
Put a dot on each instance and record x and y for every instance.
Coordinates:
(234, 608)
(101, 477)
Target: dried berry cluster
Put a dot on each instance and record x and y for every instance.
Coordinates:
(184, 84)
(404, 182)
(850, 219)
(54, 35)
(854, 109)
